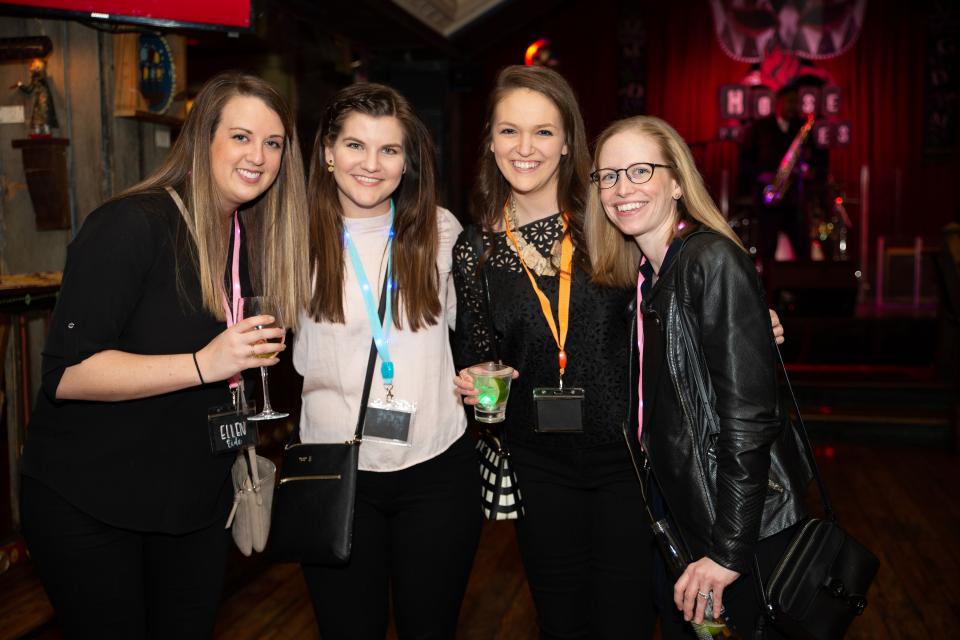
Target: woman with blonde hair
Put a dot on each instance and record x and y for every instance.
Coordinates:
(123, 502)
(727, 472)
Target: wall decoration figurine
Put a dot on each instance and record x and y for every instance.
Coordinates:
(43, 116)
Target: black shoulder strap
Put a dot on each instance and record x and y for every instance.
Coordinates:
(476, 241)
(801, 429)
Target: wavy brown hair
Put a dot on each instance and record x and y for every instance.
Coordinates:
(274, 222)
(491, 189)
(615, 257)
(415, 211)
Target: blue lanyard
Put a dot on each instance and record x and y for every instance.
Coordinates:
(381, 333)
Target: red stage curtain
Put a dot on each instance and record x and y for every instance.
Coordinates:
(882, 79)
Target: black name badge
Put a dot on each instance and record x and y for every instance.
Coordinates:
(387, 424)
(230, 431)
(559, 410)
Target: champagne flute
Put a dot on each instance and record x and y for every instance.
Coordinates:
(263, 306)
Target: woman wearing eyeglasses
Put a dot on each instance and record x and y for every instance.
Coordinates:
(726, 473)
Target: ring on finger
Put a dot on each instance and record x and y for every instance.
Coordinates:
(701, 594)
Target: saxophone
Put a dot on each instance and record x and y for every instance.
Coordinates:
(773, 193)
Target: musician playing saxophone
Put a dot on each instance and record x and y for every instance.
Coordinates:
(764, 147)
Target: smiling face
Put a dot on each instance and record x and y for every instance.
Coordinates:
(528, 141)
(368, 163)
(648, 211)
(246, 151)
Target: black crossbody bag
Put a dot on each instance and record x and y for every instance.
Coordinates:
(820, 585)
(317, 491)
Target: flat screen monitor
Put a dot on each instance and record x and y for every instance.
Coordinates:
(229, 15)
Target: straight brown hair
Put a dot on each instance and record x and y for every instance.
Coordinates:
(615, 257)
(274, 222)
(415, 212)
(491, 189)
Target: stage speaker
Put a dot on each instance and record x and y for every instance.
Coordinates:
(807, 288)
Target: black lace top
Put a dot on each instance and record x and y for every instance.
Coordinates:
(598, 342)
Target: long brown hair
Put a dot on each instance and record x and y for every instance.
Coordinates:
(615, 256)
(415, 212)
(274, 222)
(491, 189)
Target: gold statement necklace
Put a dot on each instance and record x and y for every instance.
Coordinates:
(535, 261)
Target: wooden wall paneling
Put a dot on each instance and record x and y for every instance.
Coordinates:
(126, 74)
(82, 80)
(23, 247)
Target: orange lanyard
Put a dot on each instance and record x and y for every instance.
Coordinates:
(563, 300)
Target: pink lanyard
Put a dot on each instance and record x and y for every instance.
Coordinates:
(640, 280)
(233, 313)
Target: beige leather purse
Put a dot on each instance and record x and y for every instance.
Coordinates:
(253, 481)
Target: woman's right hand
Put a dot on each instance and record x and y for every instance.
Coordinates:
(238, 348)
(463, 383)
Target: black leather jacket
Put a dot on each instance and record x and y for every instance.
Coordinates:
(728, 465)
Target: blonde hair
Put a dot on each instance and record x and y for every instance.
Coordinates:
(615, 256)
(275, 223)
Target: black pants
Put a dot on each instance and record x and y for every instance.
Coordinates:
(415, 530)
(106, 582)
(585, 542)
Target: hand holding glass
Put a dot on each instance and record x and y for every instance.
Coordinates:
(257, 306)
(492, 380)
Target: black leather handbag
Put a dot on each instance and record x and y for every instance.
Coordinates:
(317, 491)
(820, 585)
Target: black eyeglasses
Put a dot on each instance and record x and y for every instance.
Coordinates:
(636, 173)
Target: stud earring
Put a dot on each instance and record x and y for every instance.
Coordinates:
(330, 166)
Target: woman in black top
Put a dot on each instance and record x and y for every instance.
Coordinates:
(123, 503)
(585, 548)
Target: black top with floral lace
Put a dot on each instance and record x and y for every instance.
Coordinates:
(597, 346)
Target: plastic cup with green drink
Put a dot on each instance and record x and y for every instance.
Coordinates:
(492, 380)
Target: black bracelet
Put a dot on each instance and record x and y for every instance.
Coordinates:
(197, 365)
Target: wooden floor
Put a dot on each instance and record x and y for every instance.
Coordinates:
(903, 503)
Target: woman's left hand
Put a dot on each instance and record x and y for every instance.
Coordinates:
(699, 579)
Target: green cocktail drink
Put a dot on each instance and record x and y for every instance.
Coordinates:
(492, 380)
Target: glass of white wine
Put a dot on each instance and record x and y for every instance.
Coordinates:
(264, 306)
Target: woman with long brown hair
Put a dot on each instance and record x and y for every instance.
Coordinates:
(376, 230)
(123, 503)
(584, 546)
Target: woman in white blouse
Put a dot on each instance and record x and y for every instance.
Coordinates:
(374, 216)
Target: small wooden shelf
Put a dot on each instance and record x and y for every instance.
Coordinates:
(155, 118)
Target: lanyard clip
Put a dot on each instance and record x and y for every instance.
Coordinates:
(389, 388)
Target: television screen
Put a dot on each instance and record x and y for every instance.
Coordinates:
(232, 15)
